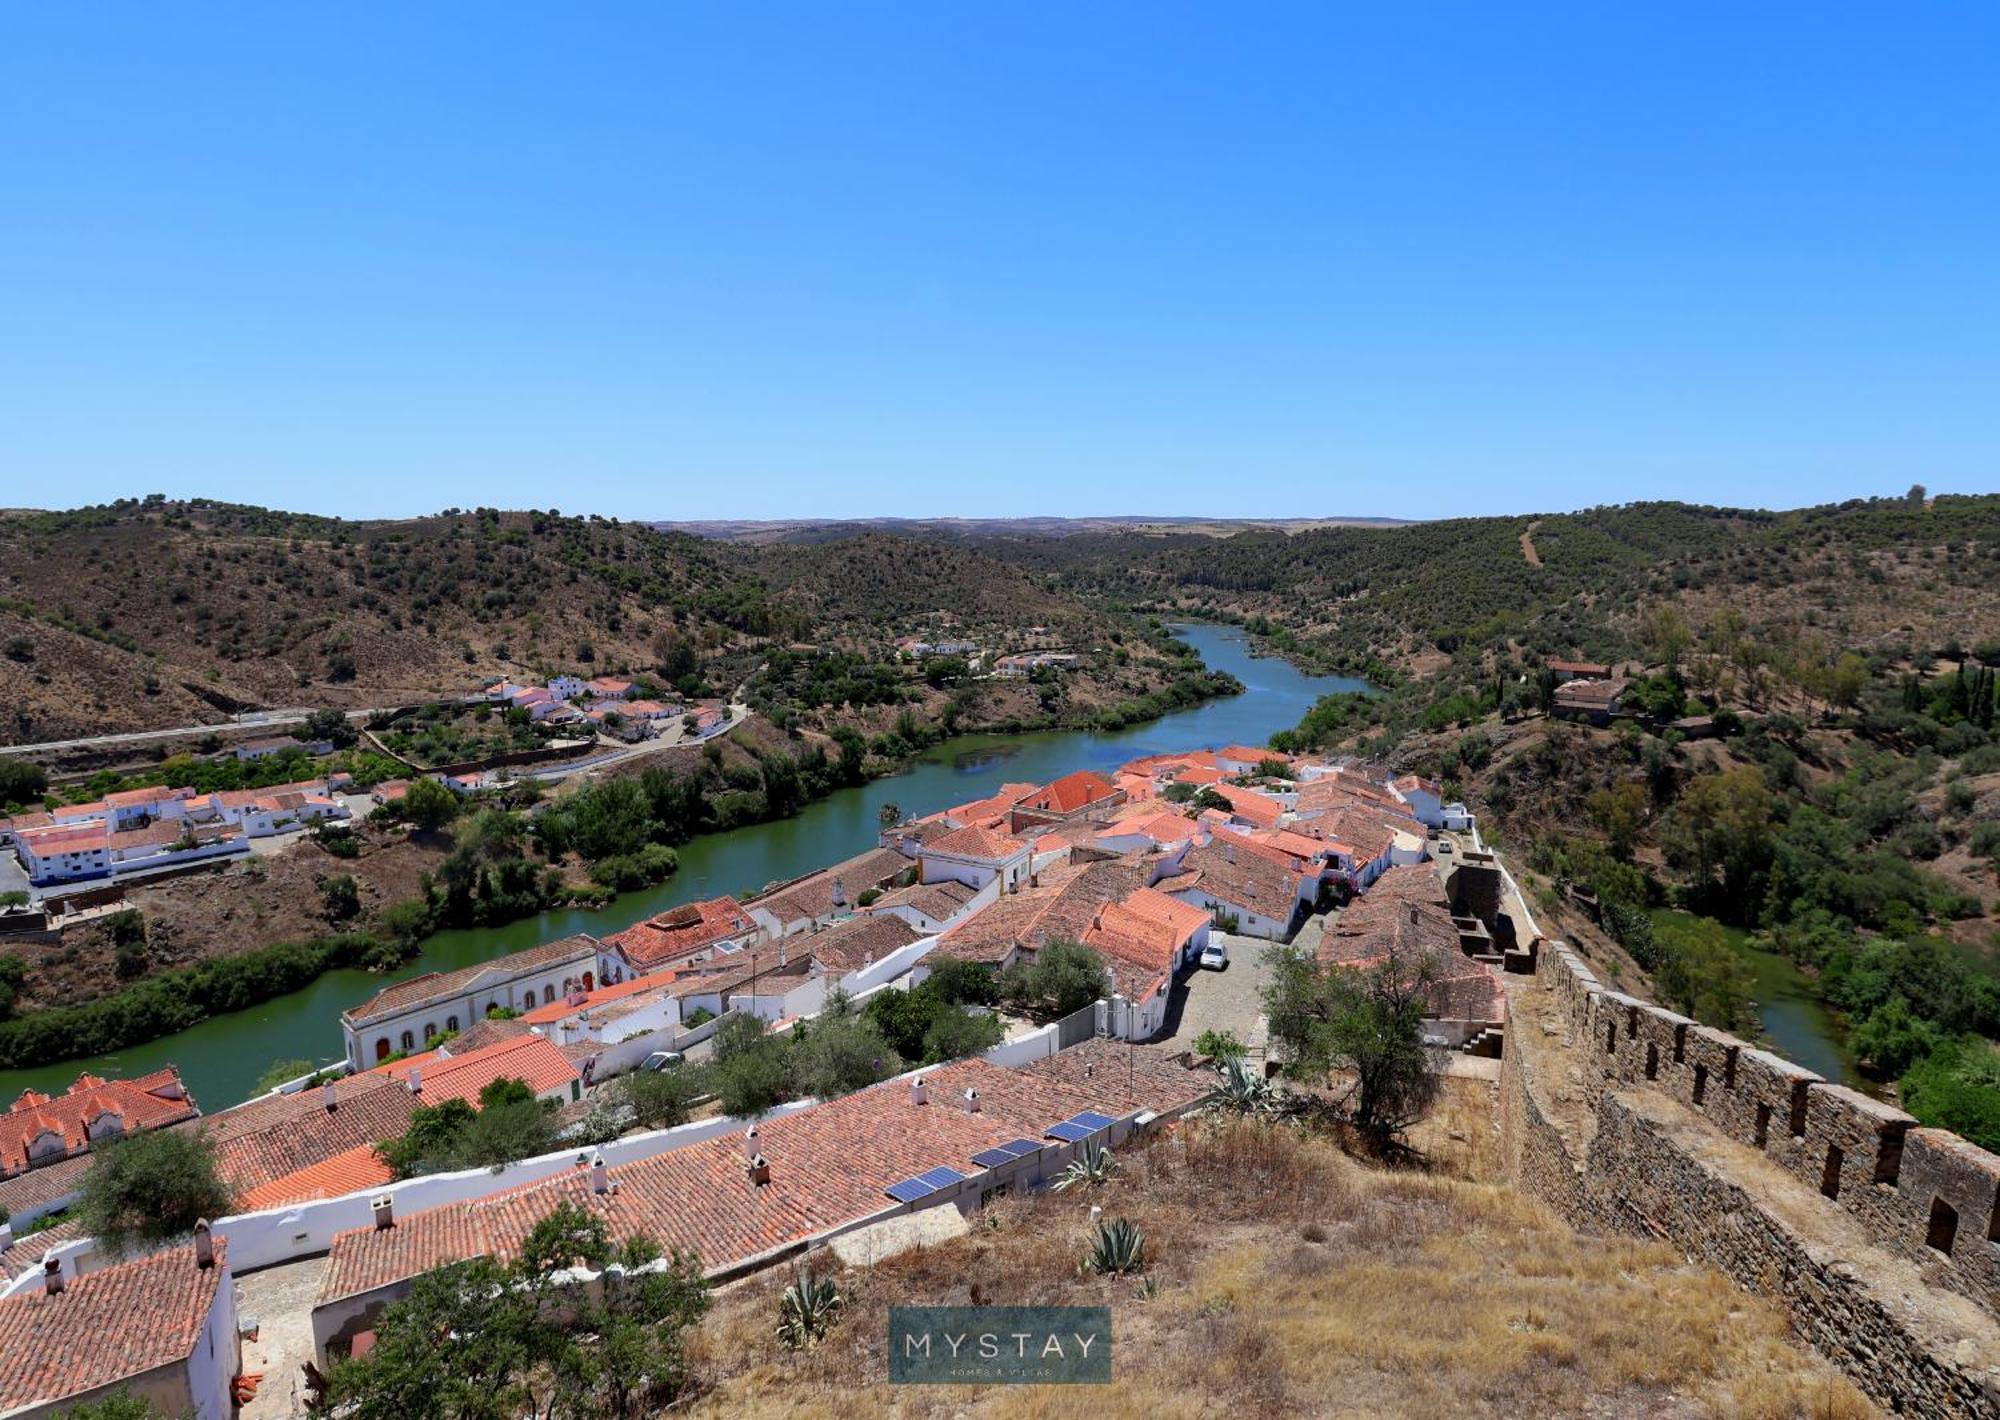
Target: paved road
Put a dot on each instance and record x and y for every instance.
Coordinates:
(1231, 1000)
(250, 720)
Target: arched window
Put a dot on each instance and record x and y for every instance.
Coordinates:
(409, 1041)
(589, 981)
(548, 995)
(382, 1048)
(451, 1022)
(430, 1030)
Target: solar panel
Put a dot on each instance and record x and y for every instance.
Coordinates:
(910, 1190)
(1092, 1120)
(992, 1158)
(941, 1177)
(1020, 1148)
(1067, 1131)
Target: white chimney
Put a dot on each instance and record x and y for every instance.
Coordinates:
(416, 1079)
(328, 1098)
(52, 1274)
(750, 1141)
(971, 1101)
(917, 1091)
(384, 1209)
(1229, 849)
(600, 1176)
(760, 1170)
(204, 1244)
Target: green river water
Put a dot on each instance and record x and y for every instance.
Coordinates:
(222, 1058)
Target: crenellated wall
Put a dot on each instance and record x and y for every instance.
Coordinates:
(1616, 1112)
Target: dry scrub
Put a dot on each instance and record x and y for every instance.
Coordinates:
(1283, 1278)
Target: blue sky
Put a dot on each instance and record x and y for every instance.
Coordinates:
(774, 260)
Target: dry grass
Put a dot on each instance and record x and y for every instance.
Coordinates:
(1284, 1278)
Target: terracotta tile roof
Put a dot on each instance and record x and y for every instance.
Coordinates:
(1251, 806)
(1161, 827)
(1590, 694)
(1142, 934)
(270, 1138)
(530, 1058)
(1060, 907)
(1582, 668)
(1409, 782)
(133, 798)
(565, 1006)
(812, 896)
(1461, 989)
(486, 1031)
(681, 932)
(441, 986)
(347, 1172)
(147, 1102)
(978, 843)
(166, 1294)
(1072, 793)
(1200, 775)
(65, 838)
(26, 1253)
(853, 944)
(1251, 754)
(1136, 786)
(38, 1188)
(937, 901)
(830, 1166)
(1236, 872)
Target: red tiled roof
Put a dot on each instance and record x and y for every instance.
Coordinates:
(830, 1167)
(270, 1138)
(532, 1059)
(976, 842)
(147, 1102)
(1071, 793)
(347, 1172)
(1240, 873)
(681, 932)
(111, 1325)
(1260, 809)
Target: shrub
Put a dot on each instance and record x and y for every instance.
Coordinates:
(808, 1310)
(1093, 1167)
(151, 1187)
(1116, 1247)
(1218, 1045)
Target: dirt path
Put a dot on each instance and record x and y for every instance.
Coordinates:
(1528, 544)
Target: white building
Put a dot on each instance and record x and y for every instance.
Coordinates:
(406, 1015)
(567, 687)
(975, 856)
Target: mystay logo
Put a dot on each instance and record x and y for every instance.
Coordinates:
(1000, 1345)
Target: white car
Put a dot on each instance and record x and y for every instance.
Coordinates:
(1215, 957)
(662, 1060)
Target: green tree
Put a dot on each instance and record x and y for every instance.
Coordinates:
(1063, 977)
(150, 1187)
(428, 805)
(485, 1340)
(1698, 972)
(662, 1099)
(21, 781)
(278, 1072)
(1366, 1024)
(752, 1069)
(1720, 833)
(1620, 814)
(839, 1051)
(332, 726)
(13, 975)
(341, 897)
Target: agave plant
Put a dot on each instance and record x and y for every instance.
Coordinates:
(808, 1310)
(1092, 1168)
(1116, 1246)
(1246, 1091)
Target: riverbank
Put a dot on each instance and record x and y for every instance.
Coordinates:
(221, 1058)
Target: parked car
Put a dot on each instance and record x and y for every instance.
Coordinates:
(662, 1060)
(1215, 957)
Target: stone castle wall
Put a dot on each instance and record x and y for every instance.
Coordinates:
(1618, 1116)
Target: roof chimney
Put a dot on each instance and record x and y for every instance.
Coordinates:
(204, 1244)
(384, 1209)
(52, 1276)
(600, 1176)
(1229, 850)
(917, 1092)
(971, 1101)
(750, 1141)
(416, 1079)
(760, 1170)
(328, 1098)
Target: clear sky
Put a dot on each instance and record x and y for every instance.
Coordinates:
(758, 259)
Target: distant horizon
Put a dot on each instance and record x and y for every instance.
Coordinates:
(808, 520)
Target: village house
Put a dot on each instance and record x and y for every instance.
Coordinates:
(803, 1178)
(566, 687)
(1405, 916)
(931, 907)
(283, 1149)
(653, 712)
(1566, 671)
(1146, 939)
(1082, 795)
(681, 936)
(265, 749)
(450, 1073)
(502, 690)
(45, 1139)
(1233, 876)
(608, 687)
(538, 702)
(618, 722)
(405, 1016)
(975, 856)
(161, 1327)
(829, 895)
(1593, 700)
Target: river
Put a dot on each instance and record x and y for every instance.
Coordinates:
(221, 1059)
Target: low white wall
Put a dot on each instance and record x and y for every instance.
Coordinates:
(897, 963)
(1039, 1046)
(281, 1234)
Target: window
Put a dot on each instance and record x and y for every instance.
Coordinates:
(549, 994)
(1729, 1068)
(1943, 1230)
(382, 1048)
(451, 1022)
(409, 1041)
(589, 981)
(430, 1030)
